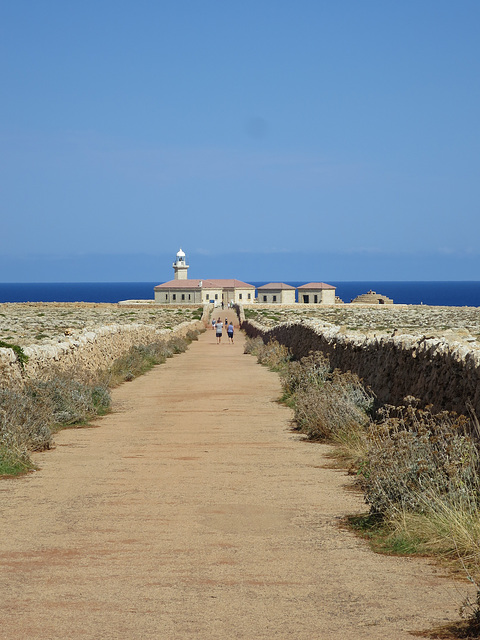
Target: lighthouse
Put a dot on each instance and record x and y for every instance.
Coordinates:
(180, 267)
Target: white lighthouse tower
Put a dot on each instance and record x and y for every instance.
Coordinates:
(180, 266)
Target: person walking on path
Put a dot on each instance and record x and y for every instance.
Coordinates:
(230, 332)
(219, 330)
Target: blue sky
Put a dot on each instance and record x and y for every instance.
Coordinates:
(270, 139)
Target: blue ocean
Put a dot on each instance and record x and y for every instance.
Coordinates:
(452, 294)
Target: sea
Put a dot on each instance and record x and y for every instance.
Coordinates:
(450, 293)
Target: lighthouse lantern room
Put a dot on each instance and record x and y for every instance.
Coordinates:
(180, 266)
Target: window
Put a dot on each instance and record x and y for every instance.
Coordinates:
(166, 297)
(207, 297)
(249, 296)
(274, 298)
(216, 296)
(183, 296)
(189, 297)
(315, 298)
(239, 296)
(174, 296)
(264, 298)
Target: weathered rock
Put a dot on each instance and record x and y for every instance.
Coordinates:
(91, 350)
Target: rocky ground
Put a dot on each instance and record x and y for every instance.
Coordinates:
(48, 322)
(453, 323)
(44, 323)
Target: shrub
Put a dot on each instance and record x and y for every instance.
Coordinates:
(332, 406)
(13, 461)
(273, 354)
(179, 345)
(21, 357)
(137, 361)
(70, 401)
(310, 371)
(141, 358)
(24, 422)
(28, 415)
(415, 456)
(197, 314)
(328, 405)
(252, 345)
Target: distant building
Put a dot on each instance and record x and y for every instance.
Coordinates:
(181, 290)
(276, 293)
(316, 293)
(371, 297)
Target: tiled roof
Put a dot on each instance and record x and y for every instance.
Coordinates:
(316, 285)
(187, 284)
(275, 285)
(232, 284)
(204, 284)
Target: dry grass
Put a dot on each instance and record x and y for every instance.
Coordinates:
(420, 471)
(445, 528)
(273, 355)
(29, 416)
(414, 455)
(328, 405)
(332, 410)
(141, 358)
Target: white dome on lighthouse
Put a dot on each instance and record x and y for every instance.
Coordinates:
(180, 266)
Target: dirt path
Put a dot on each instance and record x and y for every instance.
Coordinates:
(193, 511)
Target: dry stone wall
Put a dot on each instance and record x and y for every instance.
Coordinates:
(92, 350)
(445, 375)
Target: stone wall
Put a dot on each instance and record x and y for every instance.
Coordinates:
(91, 350)
(445, 375)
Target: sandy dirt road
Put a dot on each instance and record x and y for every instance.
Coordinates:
(193, 511)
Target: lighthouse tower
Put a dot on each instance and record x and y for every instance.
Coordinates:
(180, 266)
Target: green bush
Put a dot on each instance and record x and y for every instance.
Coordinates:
(21, 357)
(13, 461)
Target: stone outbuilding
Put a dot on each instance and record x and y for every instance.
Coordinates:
(372, 298)
(316, 293)
(276, 293)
